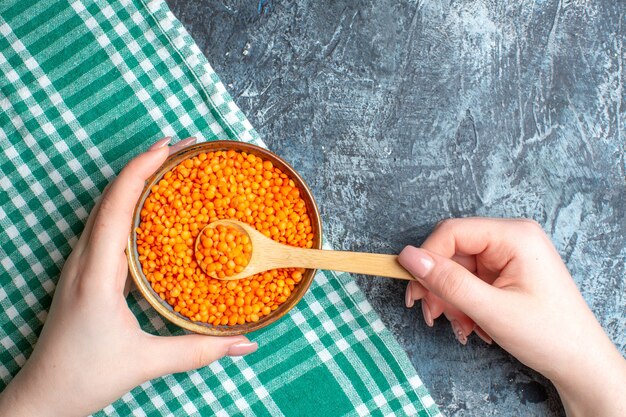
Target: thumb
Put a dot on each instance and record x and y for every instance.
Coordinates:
(450, 281)
(173, 354)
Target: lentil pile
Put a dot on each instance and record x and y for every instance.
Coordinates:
(223, 251)
(200, 190)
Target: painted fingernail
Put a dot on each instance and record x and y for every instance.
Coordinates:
(182, 144)
(242, 348)
(162, 143)
(458, 332)
(185, 142)
(416, 261)
(428, 317)
(483, 335)
(408, 300)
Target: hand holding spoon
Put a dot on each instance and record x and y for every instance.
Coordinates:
(268, 254)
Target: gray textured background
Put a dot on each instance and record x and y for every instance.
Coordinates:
(399, 114)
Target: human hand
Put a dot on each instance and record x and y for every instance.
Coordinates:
(507, 278)
(91, 349)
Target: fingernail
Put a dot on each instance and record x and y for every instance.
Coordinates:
(458, 332)
(483, 335)
(428, 317)
(182, 144)
(242, 348)
(416, 261)
(408, 300)
(162, 143)
(185, 142)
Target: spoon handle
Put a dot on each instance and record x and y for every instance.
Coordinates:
(356, 262)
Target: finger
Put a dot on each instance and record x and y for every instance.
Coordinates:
(84, 236)
(486, 274)
(414, 291)
(113, 221)
(461, 324)
(451, 282)
(466, 261)
(182, 144)
(166, 355)
(492, 238)
(433, 306)
(483, 335)
(128, 285)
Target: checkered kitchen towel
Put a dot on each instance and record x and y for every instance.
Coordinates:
(84, 86)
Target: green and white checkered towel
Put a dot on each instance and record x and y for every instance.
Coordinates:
(86, 85)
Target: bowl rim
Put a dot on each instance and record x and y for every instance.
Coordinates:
(160, 305)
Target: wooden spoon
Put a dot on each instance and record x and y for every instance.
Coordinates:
(268, 254)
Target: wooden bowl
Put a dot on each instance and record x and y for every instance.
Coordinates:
(161, 305)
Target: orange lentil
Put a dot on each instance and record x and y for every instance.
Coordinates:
(209, 187)
(225, 245)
